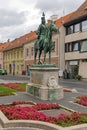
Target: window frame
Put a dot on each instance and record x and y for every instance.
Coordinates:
(81, 46)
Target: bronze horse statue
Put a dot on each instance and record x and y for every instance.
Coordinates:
(46, 45)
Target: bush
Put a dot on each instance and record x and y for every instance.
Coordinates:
(78, 77)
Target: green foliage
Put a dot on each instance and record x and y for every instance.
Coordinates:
(79, 77)
(84, 119)
(9, 91)
(6, 91)
(22, 84)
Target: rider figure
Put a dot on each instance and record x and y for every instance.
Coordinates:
(41, 30)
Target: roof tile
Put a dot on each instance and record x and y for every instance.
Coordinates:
(81, 11)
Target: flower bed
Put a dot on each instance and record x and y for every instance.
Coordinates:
(67, 90)
(23, 102)
(82, 100)
(14, 86)
(16, 112)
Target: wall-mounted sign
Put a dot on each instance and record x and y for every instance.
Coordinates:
(73, 62)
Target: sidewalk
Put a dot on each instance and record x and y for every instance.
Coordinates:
(73, 80)
(67, 101)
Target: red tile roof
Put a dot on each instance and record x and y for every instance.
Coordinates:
(4, 45)
(59, 22)
(22, 40)
(80, 12)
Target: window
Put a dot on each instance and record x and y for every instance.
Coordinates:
(17, 54)
(83, 46)
(27, 51)
(75, 46)
(14, 55)
(84, 60)
(66, 47)
(0, 66)
(77, 27)
(69, 30)
(84, 25)
(53, 48)
(21, 53)
(32, 51)
(69, 47)
(22, 67)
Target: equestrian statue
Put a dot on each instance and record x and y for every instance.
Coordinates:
(44, 40)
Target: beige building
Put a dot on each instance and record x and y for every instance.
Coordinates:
(2, 47)
(14, 60)
(13, 55)
(76, 42)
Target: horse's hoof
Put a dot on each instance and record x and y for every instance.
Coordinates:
(39, 62)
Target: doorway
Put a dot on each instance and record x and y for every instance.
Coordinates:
(74, 71)
(10, 69)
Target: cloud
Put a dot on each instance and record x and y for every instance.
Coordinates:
(58, 5)
(13, 32)
(10, 17)
(46, 5)
(19, 17)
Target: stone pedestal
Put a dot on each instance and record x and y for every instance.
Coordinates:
(44, 83)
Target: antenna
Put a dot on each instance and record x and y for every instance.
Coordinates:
(63, 12)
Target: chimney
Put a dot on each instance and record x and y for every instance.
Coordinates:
(54, 17)
(8, 40)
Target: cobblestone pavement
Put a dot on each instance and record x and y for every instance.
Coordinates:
(67, 101)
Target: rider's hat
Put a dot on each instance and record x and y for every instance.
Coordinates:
(43, 16)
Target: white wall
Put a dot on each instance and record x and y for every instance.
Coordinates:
(83, 69)
(61, 50)
(76, 36)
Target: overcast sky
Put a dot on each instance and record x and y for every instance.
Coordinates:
(19, 17)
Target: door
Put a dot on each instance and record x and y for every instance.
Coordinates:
(74, 71)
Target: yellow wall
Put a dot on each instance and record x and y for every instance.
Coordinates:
(14, 60)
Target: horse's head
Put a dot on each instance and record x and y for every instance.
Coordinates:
(53, 27)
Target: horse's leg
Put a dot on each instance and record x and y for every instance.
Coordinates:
(49, 56)
(44, 55)
(35, 55)
(40, 51)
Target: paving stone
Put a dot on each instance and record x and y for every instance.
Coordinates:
(67, 101)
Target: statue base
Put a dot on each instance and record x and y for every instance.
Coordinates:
(44, 83)
(45, 93)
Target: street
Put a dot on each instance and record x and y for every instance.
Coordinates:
(80, 86)
(11, 78)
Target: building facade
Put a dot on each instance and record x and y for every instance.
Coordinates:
(13, 55)
(14, 60)
(76, 42)
(2, 47)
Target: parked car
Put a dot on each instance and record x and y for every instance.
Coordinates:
(3, 72)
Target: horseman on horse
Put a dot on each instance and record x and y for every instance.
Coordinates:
(44, 39)
(41, 30)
